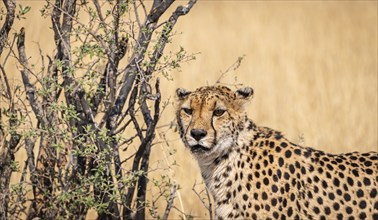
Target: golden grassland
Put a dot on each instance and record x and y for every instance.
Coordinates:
(313, 67)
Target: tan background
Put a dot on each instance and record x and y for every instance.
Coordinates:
(313, 67)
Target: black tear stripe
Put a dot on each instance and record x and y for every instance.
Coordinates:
(182, 132)
(181, 127)
(179, 123)
(191, 118)
(190, 122)
(212, 126)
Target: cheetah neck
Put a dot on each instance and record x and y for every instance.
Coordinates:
(226, 148)
(217, 169)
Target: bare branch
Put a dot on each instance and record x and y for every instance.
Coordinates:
(29, 146)
(121, 129)
(137, 14)
(145, 148)
(99, 13)
(55, 19)
(108, 79)
(157, 10)
(156, 55)
(207, 206)
(86, 108)
(29, 87)
(170, 201)
(233, 67)
(10, 51)
(10, 5)
(133, 68)
(68, 17)
(144, 38)
(69, 9)
(128, 140)
(9, 92)
(132, 113)
(7, 151)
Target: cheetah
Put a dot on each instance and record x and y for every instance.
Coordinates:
(254, 172)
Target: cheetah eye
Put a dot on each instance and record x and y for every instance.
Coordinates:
(219, 112)
(188, 111)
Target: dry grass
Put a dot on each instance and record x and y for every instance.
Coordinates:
(313, 66)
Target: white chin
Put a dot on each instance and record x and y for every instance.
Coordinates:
(224, 144)
(191, 142)
(200, 147)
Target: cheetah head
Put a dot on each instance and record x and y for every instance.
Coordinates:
(208, 117)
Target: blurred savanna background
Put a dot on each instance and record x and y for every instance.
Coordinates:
(313, 66)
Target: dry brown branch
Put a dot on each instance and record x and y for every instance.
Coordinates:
(9, 138)
(232, 67)
(29, 87)
(168, 27)
(10, 5)
(99, 13)
(172, 196)
(208, 205)
(6, 81)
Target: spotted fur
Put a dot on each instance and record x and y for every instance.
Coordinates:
(256, 173)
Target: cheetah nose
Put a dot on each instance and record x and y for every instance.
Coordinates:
(198, 134)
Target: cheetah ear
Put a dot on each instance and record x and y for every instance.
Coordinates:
(242, 97)
(182, 93)
(245, 93)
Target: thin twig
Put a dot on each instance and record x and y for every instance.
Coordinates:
(158, 52)
(7, 86)
(207, 206)
(10, 51)
(233, 67)
(172, 196)
(137, 14)
(99, 13)
(121, 129)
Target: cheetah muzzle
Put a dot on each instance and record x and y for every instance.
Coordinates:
(254, 172)
(199, 149)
